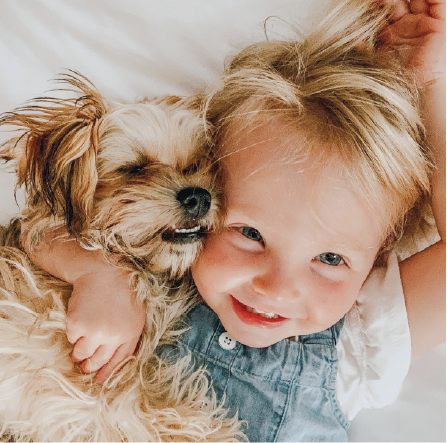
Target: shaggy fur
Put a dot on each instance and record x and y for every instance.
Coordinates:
(112, 175)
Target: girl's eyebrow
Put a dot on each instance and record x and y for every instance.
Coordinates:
(354, 249)
(242, 211)
(344, 241)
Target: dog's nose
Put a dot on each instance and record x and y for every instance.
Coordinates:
(196, 202)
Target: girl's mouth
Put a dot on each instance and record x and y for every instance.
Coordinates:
(255, 317)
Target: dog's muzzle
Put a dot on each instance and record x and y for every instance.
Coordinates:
(196, 203)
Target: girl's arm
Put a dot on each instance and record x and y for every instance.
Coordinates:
(104, 320)
(418, 33)
(424, 274)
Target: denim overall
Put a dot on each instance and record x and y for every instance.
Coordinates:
(285, 392)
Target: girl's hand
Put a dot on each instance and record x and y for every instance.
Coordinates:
(104, 320)
(417, 32)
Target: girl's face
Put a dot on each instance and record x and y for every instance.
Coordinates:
(296, 247)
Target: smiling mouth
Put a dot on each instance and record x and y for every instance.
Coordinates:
(256, 317)
(262, 313)
(189, 234)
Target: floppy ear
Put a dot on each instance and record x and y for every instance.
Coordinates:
(56, 154)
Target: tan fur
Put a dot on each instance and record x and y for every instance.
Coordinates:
(111, 174)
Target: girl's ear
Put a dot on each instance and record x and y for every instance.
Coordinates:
(56, 154)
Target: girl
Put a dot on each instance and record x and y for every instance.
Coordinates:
(321, 145)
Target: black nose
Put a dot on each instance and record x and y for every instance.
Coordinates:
(195, 202)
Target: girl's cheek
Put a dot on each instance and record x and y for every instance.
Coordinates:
(215, 263)
(335, 296)
(214, 270)
(221, 250)
(222, 266)
(340, 296)
(215, 252)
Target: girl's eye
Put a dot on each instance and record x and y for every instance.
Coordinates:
(331, 259)
(251, 233)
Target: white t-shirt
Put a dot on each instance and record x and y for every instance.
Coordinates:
(374, 349)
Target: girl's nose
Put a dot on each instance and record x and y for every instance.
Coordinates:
(277, 286)
(284, 282)
(284, 291)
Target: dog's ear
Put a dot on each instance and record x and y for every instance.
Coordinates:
(56, 154)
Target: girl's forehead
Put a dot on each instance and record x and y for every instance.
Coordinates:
(276, 139)
(273, 144)
(273, 178)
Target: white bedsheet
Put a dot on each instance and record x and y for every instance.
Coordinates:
(136, 48)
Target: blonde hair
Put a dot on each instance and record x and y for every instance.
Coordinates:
(332, 84)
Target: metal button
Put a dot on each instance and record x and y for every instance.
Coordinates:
(226, 341)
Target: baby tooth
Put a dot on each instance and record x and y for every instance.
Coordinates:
(270, 315)
(261, 313)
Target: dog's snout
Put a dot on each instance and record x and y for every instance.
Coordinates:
(196, 202)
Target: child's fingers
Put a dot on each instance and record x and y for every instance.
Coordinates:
(73, 331)
(101, 356)
(124, 351)
(83, 349)
(399, 32)
(433, 8)
(412, 27)
(399, 9)
(437, 9)
(418, 6)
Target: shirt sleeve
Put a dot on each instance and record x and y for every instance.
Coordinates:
(374, 348)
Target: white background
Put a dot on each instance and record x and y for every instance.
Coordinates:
(136, 48)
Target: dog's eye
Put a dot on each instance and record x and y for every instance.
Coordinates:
(191, 169)
(130, 169)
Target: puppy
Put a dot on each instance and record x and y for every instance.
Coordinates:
(137, 182)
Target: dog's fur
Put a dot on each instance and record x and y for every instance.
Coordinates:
(110, 174)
